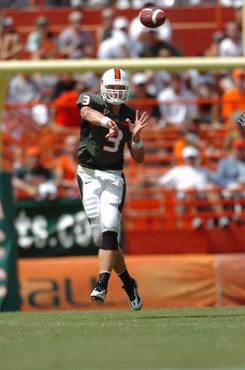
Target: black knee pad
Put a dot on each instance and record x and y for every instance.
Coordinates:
(109, 241)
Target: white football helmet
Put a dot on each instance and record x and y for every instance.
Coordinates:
(110, 80)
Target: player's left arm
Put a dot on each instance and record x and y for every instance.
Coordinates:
(135, 143)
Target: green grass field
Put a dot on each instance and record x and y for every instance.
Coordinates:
(203, 338)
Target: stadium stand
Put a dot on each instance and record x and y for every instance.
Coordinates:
(206, 21)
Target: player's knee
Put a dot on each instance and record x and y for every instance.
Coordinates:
(97, 234)
(109, 240)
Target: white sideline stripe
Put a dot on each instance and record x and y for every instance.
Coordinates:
(154, 20)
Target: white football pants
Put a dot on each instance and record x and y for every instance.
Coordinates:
(102, 194)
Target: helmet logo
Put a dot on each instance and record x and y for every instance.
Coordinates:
(117, 74)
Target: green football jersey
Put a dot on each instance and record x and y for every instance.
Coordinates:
(95, 151)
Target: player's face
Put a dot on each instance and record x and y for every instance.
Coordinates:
(115, 87)
(114, 91)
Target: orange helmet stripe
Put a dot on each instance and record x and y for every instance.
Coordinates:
(117, 73)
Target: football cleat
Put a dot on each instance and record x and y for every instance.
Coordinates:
(135, 302)
(98, 294)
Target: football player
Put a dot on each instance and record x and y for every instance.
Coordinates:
(107, 125)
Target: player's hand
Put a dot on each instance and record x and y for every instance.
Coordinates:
(140, 123)
(112, 129)
(241, 120)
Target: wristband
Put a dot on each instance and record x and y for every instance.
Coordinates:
(104, 120)
(137, 145)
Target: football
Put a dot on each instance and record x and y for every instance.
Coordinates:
(152, 17)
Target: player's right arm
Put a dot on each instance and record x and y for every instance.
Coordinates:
(98, 119)
(91, 111)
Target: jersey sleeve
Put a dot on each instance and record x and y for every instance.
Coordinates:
(86, 100)
(91, 100)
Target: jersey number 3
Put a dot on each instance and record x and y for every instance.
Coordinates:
(115, 141)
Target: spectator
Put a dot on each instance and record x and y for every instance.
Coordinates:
(190, 176)
(57, 3)
(158, 80)
(98, 3)
(235, 3)
(41, 43)
(231, 170)
(151, 46)
(238, 16)
(92, 81)
(10, 45)
(231, 176)
(124, 4)
(192, 181)
(209, 107)
(119, 45)
(74, 41)
(140, 91)
(106, 26)
(231, 45)
(46, 83)
(191, 136)
(32, 178)
(65, 110)
(213, 49)
(234, 132)
(174, 110)
(15, 3)
(77, 4)
(233, 99)
(25, 91)
(65, 83)
(66, 165)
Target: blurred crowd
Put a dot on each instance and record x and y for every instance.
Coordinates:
(216, 96)
(221, 185)
(121, 4)
(170, 99)
(115, 37)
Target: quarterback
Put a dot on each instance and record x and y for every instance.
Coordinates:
(108, 124)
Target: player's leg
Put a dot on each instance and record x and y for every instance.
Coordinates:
(107, 259)
(112, 200)
(129, 284)
(110, 224)
(120, 265)
(90, 190)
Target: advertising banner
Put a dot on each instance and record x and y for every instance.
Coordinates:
(9, 295)
(65, 283)
(52, 228)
